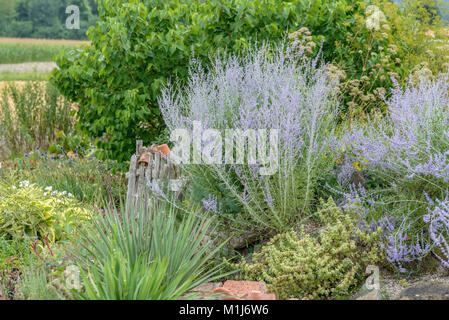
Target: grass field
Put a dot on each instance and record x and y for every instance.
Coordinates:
(17, 50)
(24, 76)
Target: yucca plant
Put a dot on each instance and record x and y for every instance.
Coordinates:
(159, 253)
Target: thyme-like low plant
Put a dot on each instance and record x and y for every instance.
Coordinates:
(326, 266)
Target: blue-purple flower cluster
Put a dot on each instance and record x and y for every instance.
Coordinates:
(408, 150)
(437, 218)
(263, 90)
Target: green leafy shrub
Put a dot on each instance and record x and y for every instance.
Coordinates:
(419, 32)
(326, 266)
(29, 211)
(156, 253)
(377, 49)
(138, 45)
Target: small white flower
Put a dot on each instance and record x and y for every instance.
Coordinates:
(63, 193)
(54, 193)
(70, 195)
(14, 187)
(24, 184)
(48, 189)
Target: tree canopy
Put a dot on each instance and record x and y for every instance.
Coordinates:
(44, 18)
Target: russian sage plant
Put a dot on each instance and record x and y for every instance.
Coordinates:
(404, 158)
(262, 90)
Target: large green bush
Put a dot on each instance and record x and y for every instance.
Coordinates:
(139, 44)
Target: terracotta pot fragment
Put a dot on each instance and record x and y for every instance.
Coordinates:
(164, 149)
(242, 287)
(144, 158)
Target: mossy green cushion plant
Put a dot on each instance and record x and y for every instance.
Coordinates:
(29, 211)
(299, 265)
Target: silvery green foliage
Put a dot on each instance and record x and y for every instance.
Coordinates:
(264, 89)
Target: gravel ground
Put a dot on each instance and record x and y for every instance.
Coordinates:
(393, 286)
(28, 67)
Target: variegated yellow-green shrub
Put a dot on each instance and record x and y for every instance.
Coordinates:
(299, 265)
(29, 211)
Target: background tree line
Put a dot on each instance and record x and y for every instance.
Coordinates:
(44, 18)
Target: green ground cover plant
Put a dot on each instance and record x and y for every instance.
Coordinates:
(326, 264)
(37, 213)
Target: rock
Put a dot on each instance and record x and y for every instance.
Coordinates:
(243, 290)
(243, 240)
(240, 288)
(371, 295)
(426, 290)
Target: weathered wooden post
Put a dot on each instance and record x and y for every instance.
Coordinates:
(148, 165)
